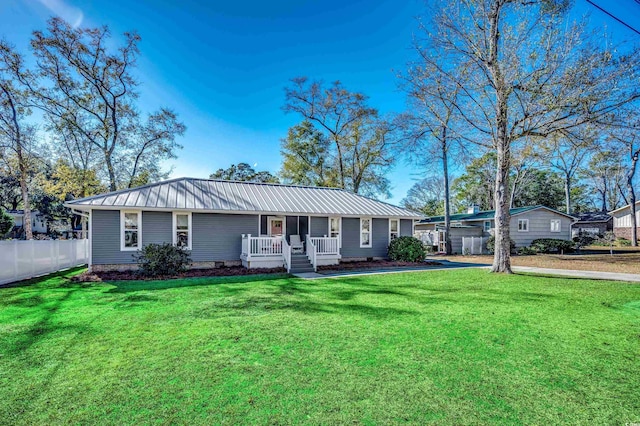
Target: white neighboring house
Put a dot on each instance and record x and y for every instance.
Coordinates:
(622, 221)
(38, 222)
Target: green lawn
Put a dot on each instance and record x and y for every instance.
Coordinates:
(464, 347)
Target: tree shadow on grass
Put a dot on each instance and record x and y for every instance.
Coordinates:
(139, 285)
(59, 277)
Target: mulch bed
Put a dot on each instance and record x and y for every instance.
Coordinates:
(231, 271)
(375, 264)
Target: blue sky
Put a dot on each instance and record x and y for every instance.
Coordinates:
(222, 65)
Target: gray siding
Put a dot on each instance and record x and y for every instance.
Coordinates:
(217, 237)
(406, 227)
(319, 226)
(105, 243)
(351, 238)
(456, 235)
(157, 227)
(539, 227)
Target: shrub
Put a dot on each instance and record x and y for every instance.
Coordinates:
(583, 240)
(623, 242)
(491, 243)
(527, 251)
(407, 249)
(552, 245)
(6, 223)
(162, 259)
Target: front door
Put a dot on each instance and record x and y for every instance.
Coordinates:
(275, 228)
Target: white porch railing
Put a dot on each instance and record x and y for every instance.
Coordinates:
(286, 254)
(311, 252)
(261, 246)
(326, 245)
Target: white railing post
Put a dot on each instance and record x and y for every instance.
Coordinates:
(33, 257)
(286, 253)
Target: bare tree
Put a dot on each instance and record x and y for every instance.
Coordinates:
(15, 135)
(627, 138)
(88, 92)
(567, 155)
(433, 124)
(531, 75)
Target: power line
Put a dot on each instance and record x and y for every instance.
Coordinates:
(614, 17)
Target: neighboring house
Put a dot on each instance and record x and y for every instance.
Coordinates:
(592, 223)
(232, 223)
(39, 222)
(527, 224)
(622, 221)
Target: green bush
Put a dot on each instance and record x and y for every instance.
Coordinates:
(583, 240)
(6, 223)
(491, 243)
(527, 251)
(407, 249)
(623, 242)
(162, 259)
(552, 245)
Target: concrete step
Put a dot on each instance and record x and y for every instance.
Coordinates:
(301, 270)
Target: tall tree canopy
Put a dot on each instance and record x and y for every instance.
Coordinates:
(348, 142)
(243, 172)
(88, 92)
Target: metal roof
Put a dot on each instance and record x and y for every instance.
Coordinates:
(241, 197)
(488, 214)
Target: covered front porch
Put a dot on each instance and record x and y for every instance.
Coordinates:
(277, 251)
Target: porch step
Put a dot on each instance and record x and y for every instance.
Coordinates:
(300, 263)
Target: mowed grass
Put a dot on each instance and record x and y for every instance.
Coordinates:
(449, 347)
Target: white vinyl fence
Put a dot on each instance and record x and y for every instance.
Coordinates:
(473, 245)
(20, 260)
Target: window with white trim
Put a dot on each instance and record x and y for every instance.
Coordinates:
(394, 229)
(523, 225)
(365, 232)
(130, 229)
(182, 230)
(555, 225)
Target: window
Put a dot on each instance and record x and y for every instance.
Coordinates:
(487, 225)
(523, 225)
(130, 226)
(394, 229)
(182, 230)
(555, 225)
(335, 225)
(365, 232)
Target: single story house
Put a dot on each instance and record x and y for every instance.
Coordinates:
(592, 223)
(527, 224)
(39, 222)
(233, 223)
(622, 221)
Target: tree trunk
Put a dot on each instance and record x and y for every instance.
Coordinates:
(502, 256)
(604, 194)
(567, 192)
(632, 197)
(22, 166)
(110, 169)
(447, 202)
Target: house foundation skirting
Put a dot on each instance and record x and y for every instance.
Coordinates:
(134, 266)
